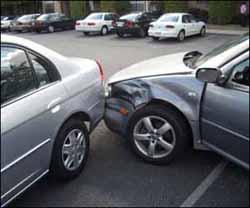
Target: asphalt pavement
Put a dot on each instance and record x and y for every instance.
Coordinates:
(113, 175)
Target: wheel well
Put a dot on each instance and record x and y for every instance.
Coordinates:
(169, 105)
(183, 31)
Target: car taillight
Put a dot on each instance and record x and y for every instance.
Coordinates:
(114, 23)
(170, 26)
(78, 23)
(91, 23)
(101, 70)
(151, 25)
(129, 24)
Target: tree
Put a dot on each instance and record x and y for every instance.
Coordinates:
(175, 6)
(77, 9)
(120, 7)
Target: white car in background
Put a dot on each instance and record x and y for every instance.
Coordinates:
(6, 23)
(97, 22)
(176, 25)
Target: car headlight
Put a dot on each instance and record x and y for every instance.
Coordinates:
(108, 90)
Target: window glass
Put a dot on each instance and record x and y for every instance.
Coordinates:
(241, 73)
(41, 69)
(192, 19)
(95, 17)
(185, 19)
(25, 18)
(169, 18)
(16, 74)
(131, 17)
(108, 17)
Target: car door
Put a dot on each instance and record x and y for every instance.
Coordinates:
(187, 25)
(31, 94)
(225, 114)
(108, 20)
(196, 27)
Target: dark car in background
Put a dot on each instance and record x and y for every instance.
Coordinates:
(52, 21)
(136, 24)
(24, 23)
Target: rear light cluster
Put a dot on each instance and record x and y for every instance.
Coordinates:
(129, 24)
(78, 23)
(114, 23)
(151, 25)
(101, 71)
(91, 24)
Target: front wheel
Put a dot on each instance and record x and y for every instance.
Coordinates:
(203, 32)
(70, 151)
(155, 38)
(158, 134)
(121, 35)
(51, 29)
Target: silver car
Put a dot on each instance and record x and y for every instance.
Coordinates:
(164, 104)
(49, 106)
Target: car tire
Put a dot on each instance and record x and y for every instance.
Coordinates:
(60, 167)
(51, 29)
(142, 33)
(175, 139)
(203, 32)
(181, 36)
(104, 30)
(121, 35)
(38, 31)
(156, 38)
(86, 33)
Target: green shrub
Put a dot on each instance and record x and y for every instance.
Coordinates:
(175, 6)
(77, 9)
(221, 12)
(120, 7)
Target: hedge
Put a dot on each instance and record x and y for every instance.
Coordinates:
(120, 7)
(221, 12)
(175, 6)
(77, 9)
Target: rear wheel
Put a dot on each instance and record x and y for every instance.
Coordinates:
(181, 36)
(86, 33)
(158, 134)
(104, 30)
(142, 33)
(70, 151)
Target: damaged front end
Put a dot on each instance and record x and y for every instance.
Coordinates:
(123, 99)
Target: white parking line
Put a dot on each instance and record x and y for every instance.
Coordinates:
(206, 183)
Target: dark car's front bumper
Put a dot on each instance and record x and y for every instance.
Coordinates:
(117, 115)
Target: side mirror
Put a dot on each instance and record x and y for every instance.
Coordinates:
(210, 75)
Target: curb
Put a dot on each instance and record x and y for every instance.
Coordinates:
(226, 32)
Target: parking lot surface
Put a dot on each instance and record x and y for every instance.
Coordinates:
(113, 175)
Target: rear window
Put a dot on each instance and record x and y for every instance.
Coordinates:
(130, 17)
(95, 17)
(44, 17)
(25, 18)
(169, 18)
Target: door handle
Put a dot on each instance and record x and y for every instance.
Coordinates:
(54, 103)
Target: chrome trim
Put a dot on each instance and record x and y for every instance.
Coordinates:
(225, 129)
(24, 156)
(24, 189)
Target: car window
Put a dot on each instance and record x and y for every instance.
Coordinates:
(25, 18)
(131, 17)
(17, 77)
(192, 19)
(41, 68)
(44, 17)
(185, 19)
(169, 18)
(108, 17)
(95, 17)
(241, 74)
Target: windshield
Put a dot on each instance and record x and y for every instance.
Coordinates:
(95, 17)
(169, 18)
(131, 17)
(25, 18)
(219, 50)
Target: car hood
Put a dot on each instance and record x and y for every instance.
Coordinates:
(164, 65)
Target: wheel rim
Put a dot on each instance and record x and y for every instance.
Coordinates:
(154, 137)
(203, 32)
(73, 150)
(182, 36)
(104, 31)
(51, 28)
